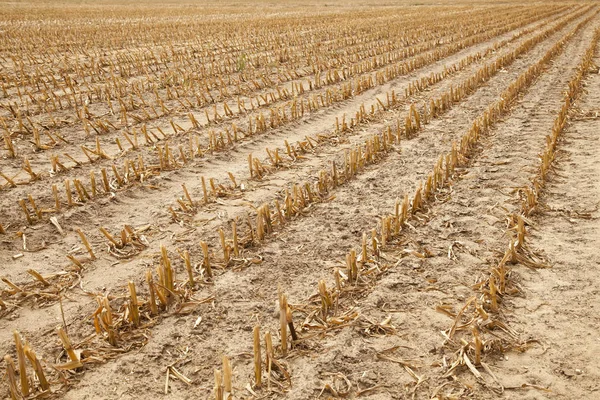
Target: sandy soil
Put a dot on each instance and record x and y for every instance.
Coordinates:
(558, 303)
(390, 344)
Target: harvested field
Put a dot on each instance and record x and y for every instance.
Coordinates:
(299, 201)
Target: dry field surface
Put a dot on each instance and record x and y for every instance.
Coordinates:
(300, 201)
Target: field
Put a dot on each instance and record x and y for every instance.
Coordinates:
(289, 200)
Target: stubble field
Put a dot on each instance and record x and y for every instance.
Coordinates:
(299, 201)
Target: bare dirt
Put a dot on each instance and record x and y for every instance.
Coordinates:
(383, 339)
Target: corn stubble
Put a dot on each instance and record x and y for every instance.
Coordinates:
(488, 333)
(140, 170)
(120, 319)
(25, 384)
